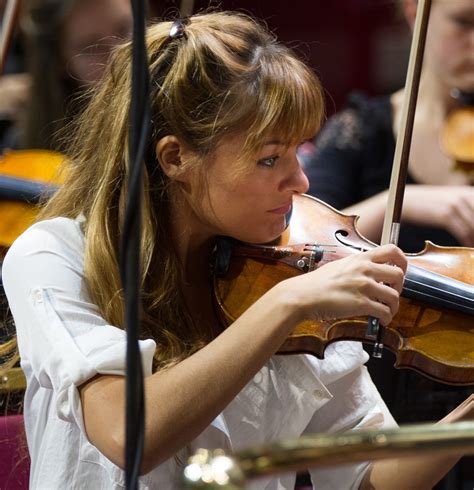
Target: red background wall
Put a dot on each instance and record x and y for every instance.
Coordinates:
(351, 44)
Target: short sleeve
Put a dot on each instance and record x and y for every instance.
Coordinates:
(62, 338)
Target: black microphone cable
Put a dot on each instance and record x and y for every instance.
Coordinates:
(130, 264)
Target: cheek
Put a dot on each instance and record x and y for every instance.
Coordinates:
(84, 70)
(443, 61)
(245, 216)
(448, 47)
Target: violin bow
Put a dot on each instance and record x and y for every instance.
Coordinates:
(393, 212)
(10, 15)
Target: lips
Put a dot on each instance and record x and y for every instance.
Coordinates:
(281, 210)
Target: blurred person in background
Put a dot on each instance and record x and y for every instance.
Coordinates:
(61, 48)
(351, 165)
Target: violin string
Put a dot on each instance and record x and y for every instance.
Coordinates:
(440, 290)
(410, 280)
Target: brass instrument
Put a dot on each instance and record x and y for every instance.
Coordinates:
(12, 380)
(214, 470)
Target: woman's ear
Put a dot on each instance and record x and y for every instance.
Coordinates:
(169, 152)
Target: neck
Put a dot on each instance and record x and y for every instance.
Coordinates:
(433, 103)
(193, 240)
(434, 98)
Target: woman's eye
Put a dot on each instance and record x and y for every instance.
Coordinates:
(463, 22)
(268, 162)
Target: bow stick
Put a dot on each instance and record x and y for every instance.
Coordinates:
(393, 212)
(9, 19)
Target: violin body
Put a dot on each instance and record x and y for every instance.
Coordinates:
(432, 335)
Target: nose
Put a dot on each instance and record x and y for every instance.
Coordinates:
(296, 179)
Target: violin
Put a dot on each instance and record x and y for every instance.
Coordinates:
(433, 331)
(26, 177)
(457, 136)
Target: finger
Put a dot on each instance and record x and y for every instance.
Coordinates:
(465, 215)
(468, 198)
(389, 274)
(386, 295)
(379, 310)
(389, 254)
(461, 230)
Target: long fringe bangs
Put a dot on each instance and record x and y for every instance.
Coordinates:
(287, 102)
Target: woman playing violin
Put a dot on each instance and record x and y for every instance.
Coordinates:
(229, 108)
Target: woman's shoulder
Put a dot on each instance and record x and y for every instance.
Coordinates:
(362, 118)
(367, 112)
(58, 235)
(365, 103)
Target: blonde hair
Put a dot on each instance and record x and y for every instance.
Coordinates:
(226, 74)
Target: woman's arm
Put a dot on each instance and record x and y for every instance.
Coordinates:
(447, 207)
(182, 401)
(371, 213)
(418, 473)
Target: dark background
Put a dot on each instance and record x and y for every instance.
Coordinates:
(351, 44)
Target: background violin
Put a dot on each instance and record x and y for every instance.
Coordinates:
(25, 177)
(28, 175)
(433, 331)
(65, 46)
(458, 133)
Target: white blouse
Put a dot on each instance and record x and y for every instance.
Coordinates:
(63, 342)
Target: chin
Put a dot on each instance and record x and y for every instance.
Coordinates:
(464, 82)
(264, 232)
(272, 235)
(258, 238)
